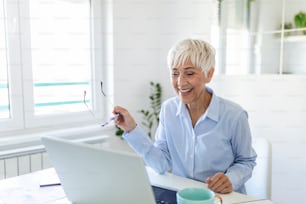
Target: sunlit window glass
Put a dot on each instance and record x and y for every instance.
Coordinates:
(4, 97)
(60, 49)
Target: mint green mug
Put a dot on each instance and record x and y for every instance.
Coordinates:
(197, 196)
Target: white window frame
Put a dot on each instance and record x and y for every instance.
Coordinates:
(20, 71)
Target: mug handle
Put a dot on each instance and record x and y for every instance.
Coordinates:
(219, 198)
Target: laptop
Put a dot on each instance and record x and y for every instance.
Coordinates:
(92, 175)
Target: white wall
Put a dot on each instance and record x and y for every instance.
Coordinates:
(277, 110)
(144, 30)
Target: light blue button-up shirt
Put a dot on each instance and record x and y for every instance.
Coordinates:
(219, 142)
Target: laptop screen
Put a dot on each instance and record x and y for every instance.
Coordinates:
(164, 196)
(95, 175)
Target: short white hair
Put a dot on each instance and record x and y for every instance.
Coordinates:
(199, 52)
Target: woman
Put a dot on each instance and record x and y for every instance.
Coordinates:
(200, 135)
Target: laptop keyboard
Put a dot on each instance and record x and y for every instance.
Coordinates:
(164, 196)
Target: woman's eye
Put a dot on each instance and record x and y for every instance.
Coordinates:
(175, 73)
(189, 73)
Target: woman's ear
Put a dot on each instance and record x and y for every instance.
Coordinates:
(210, 74)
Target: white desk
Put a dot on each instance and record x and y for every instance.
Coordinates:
(25, 189)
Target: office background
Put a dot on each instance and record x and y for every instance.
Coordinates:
(276, 103)
(138, 34)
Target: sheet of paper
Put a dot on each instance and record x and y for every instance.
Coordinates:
(49, 178)
(264, 201)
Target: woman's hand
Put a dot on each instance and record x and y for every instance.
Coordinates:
(219, 183)
(124, 120)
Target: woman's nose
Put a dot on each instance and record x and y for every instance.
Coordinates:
(181, 80)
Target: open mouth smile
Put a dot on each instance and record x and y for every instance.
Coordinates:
(185, 90)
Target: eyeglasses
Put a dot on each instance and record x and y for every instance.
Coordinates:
(104, 95)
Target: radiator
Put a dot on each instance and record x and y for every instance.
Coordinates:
(16, 162)
(23, 164)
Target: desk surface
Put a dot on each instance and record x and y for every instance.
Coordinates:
(26, 189)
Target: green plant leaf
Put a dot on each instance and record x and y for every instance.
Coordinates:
(300, 20)
(119, 131)
(151, 116)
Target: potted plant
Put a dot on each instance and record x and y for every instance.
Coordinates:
(287, 26)
(300, 21)
(151, 115)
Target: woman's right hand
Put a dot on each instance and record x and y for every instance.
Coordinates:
(124, 120)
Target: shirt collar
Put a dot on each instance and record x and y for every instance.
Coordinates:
(214, 106)
(212, 111)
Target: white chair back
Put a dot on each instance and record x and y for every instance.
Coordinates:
(259, 185)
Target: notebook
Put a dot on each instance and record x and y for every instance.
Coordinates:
(95, 175)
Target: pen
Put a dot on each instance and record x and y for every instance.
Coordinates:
(49, 184)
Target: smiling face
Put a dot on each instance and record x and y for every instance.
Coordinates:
(191, 63)
(189, 81)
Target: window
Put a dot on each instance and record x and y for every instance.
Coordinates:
(259, 37)
(60, 51)
(48, 57)
(4, 102)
